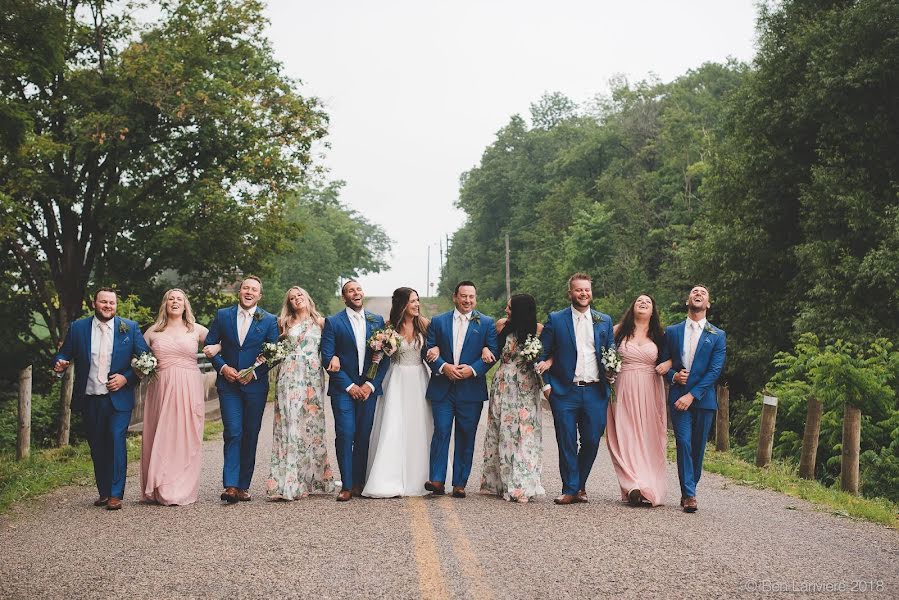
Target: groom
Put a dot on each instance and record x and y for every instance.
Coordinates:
(102, 347)
(697, 350)
(241, 330)
(458, 387)
(576, 384)
(353, 395)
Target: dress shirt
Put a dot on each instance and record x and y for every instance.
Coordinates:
(460, 330)
(357, 320)
(94, 387)
(692, 333)
(244, 320)
(587, 367)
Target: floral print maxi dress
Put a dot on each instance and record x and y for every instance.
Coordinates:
(300, 463)
(513, 447)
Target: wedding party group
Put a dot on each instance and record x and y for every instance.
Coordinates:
(400, 390)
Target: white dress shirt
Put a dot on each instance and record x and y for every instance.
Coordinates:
(587, 367)
(244, 321)
(692, 332)
(357, 320)
(460, 330)
(94, 387)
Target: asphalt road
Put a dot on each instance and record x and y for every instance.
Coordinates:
(743, 542)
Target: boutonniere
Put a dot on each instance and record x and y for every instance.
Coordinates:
(369, 317)
(708, 329)
(475, 317)
(597, 318)
(123, 327)
(257, 316)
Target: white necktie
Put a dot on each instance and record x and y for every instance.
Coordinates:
(691, 345)
(580, 340)
(103, 354)
(243, 325)
(359, 331)
(459, 338)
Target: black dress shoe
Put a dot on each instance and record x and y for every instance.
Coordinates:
(633, 497)
(436, 488)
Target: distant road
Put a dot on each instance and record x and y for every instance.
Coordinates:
(381, 306)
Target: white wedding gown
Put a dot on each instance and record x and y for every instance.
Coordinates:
(398, 456)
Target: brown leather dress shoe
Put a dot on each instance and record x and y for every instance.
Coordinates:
(690, 505)
(244, 495)
(458, 492)
(581, 497)
(566, 499)
(436, 487)
(229, 495)
(101, 501)
(344, 496)
(114, 504)
(356, 491)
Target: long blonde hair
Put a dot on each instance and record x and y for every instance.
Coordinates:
(287, 310)
(162, 317)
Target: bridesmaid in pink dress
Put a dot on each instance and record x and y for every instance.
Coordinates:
(171, 455)
(637, 432)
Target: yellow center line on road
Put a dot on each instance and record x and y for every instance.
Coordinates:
(430, 577)
(471, 567)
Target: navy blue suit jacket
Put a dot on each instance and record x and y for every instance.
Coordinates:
(478, 336)
(339, 340)
(223, 330)
(708, 361)
(559, 342)
(127, 342)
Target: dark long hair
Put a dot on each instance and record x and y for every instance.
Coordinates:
(522, 320)
(399, 302)
(627, 324)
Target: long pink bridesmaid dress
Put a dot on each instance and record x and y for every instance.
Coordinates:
(636, 430)
(171, 455)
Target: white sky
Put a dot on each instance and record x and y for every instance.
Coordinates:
(416, 90)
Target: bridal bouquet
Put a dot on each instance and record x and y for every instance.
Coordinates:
(145, 364)
(383, 342)
(272, 353)
(611, 360)
(530, 351)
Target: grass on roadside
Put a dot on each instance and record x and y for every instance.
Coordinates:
(783, 478)
(212, 430)
(46, 470)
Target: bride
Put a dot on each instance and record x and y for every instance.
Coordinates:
(401, 436)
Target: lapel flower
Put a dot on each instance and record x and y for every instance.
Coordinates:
(708, 329)
(597, 318)
(369, 317)
(123, 326)
(257, 316)
(475, 317)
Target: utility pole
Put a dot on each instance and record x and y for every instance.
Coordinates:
(508, 277)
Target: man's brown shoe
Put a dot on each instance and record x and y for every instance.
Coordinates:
(114, 504)
(581, 496)
(229, 495)
(356, 491)
(344, 496)
(101, 501)
(458, 492)
(690, 505)
(436, 487)
(244, 495)
(566, 499)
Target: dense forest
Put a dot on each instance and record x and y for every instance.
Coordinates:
(773, 183)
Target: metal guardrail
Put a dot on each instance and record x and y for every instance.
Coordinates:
(204, 364)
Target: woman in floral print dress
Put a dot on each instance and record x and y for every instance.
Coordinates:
(513, 447)
(299, 464)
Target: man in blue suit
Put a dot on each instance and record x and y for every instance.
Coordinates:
(458, 386)
(241, 330)
(697, 351)
(577, 384)
(102, 347)
(353, 395)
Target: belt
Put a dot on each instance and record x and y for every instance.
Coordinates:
(586, 383)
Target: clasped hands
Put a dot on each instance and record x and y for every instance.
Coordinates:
(356, 392)
(459, 372)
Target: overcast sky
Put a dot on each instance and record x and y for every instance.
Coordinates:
(416, 90)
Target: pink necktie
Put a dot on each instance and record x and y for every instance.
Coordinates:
(103, 354)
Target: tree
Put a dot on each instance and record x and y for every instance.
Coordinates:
(128, 151)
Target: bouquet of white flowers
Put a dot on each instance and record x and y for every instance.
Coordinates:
(530, 351)
(611, 360)
(272, 353)
(145, 364)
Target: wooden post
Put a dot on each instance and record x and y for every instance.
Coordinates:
(766, 431)
(722, 420)
(65, 406)
(810, 438)
(23, 440)
(852, 430)
(508, 276)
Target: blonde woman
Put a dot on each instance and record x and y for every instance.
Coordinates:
(171, 454)
(299, 464)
